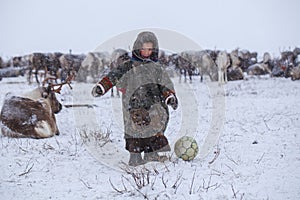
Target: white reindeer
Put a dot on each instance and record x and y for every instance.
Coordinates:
(223, 63)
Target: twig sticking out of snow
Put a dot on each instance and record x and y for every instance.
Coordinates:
(119, 191)
(137, 189)
(234, 193)
(193, 179)
(27, 170)
(86, 184)
(258, 161)
(217, 153)
(177, 182)
(140, 177)
(208, 184)
(164, 181)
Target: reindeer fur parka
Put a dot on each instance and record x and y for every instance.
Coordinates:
(145, 86)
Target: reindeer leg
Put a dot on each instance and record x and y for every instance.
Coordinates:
(118, 93)
(190, 75)
(112, 92)
(55, 74)
(201, 75)
(219, 77)
(36, 77)
(29, 76)
(179, 74)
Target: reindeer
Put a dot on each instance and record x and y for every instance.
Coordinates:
(204, 61)
(70, 65)
(92, 66)
(18, 61)
(54, 67)
(237, 64)
(263, 67)
(31, 114)
(118, 57)
(1, 62)
(247, 59)
(235, 59)
(37, 62)
(223, 63)
(184, 65)
(12, 72)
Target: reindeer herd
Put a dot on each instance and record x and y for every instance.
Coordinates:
(223, 66)
(32, 114)
(218, 65)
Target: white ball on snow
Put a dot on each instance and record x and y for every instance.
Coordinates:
(186, 148)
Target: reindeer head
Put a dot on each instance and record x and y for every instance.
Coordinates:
(49, 96)
(49, 91)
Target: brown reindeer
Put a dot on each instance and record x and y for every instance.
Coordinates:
(118, 57)
(31, 114)
(186, 66)
(38, 62)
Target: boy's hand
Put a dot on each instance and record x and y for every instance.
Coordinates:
(172, 101)
(97, 91)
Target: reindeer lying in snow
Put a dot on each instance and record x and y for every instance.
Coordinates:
(32, 114)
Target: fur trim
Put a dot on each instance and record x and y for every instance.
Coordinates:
(142, 38)
(106, 84)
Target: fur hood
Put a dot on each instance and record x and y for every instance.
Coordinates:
(142, 38)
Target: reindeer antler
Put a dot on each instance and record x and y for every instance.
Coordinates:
(47, 79)
(68, 82)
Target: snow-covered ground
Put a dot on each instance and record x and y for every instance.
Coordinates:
(247, 132)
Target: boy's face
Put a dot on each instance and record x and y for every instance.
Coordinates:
(147, 49)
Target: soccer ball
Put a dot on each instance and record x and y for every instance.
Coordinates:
(186, 148)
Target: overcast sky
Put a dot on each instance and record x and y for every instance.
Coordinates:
(82, 25)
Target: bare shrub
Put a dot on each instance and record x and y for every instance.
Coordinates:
(97, 136)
